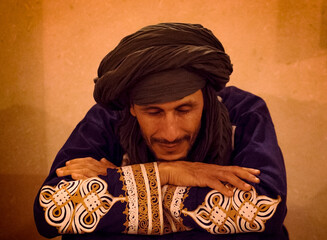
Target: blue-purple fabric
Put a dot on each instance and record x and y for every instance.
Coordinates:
(256, 146)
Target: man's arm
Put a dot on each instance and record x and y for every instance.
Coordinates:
(177, 201)
(198, 174)
(127, 199)
(91, 139)
(263, 208)
(256, 146)
(193, 197)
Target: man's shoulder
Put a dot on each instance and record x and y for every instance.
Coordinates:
(233, 95)
(102, 116)
(240, 103)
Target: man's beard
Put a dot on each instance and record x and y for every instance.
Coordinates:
(176, 141)
(186, 138)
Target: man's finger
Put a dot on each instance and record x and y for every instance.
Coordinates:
(77, 176)
(88, 161)
(80, 160)
(248, 174)
(217, 185)
(107, 163)
(83, 171)
(95, 166)
(60, 173)
(252, 170)
(235, 181)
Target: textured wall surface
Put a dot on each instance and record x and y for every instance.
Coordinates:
(50, 51)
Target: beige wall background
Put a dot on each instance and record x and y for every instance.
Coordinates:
(50, 51)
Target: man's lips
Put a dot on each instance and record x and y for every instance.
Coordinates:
(170, 146)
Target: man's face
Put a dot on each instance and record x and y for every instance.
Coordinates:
(170, 128)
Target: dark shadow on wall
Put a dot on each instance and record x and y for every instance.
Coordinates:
(301, 30)
(23, 167)
(22, 118)
(323, 31)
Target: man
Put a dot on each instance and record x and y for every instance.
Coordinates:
(157, 157)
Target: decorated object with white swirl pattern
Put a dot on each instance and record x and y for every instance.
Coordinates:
(77, 206)
(243, 212)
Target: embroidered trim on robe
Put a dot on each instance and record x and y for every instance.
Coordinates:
(79, 206)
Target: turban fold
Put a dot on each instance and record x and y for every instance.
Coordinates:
(166, 86)
(159, 48)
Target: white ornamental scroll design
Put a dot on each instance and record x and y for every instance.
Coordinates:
(76, 206)
(245, 211)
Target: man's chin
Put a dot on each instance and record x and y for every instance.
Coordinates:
(177, 154)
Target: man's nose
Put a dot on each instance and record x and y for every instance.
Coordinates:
(170, 128)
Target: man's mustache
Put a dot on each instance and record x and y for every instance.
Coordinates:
(165, 141)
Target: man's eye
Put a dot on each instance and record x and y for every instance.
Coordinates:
(153, 113)
(183, 110)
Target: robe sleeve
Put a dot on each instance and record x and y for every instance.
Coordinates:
(256, 144)
(130, 200)
(126, 200)
(263, 208)
(56, 202)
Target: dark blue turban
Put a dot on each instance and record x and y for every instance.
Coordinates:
(158, 48)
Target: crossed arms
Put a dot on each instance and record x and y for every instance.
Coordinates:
(136, 199)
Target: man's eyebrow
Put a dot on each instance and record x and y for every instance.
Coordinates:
(146, 108)
(187, 104)
(190, 103)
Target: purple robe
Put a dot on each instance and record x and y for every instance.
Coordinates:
(129, 202)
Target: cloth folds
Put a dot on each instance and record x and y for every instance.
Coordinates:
(158, 48)
(166, 86)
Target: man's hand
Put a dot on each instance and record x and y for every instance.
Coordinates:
(197, 174)
(82, 168)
